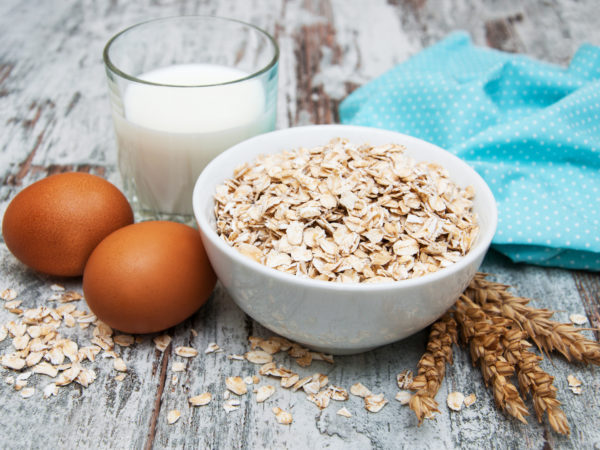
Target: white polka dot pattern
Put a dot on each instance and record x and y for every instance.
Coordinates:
(531, 130)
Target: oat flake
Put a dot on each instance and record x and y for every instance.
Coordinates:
(345, 212)
(201, 400)
(455, 401)
(173, 416)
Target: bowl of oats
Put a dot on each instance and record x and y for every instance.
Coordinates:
(343, 238)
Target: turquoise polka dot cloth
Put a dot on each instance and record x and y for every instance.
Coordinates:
(529, 128)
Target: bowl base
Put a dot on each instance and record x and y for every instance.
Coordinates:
(339, 351)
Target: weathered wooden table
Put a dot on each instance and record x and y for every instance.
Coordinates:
(55, 117)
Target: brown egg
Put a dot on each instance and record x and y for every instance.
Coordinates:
(148, 277)
(54, 224)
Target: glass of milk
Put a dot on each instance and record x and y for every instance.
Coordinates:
(182, 90)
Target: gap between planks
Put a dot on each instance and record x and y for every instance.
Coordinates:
(158, 398)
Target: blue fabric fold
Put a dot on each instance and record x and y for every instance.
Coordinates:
(530, 129)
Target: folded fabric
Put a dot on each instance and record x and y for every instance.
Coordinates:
(530, 129)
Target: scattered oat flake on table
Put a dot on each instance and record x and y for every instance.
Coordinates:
(283, 417)
(20, 342)
(374, 402)
(174, 380)
(124, 340)
(201, 400)
(403, 397)
(338, 394)
(359, 390)
(68, 375)
(455, 400)
(3, 333)
(8, 294)
(231, 405)
(178, 366)
(267, 368)
(322, 357)
(236, 385)
(264, 392)
(321, 399)
(119, 365)
(173, 416)
(270, 346)
(162, 342)
(573, 382)
(57, 288)
(109, 354)
(301, 382)
(86, 377)
(13, 361)
(186, 352)
(297, 351)
(69, 320)
(312, 387)
(27, 392)
(469, 400)
(120, 377)
(212, 348)
(24, 376)
(102, 329)
(288, 382)
(343, 412)
(70, 349)
(280, 372)
(578, 319)
(305, 361)
(87, 318)
(236, 357)
(16, 329)
(45, 368)
(12, 304)
(576, 390)
(70, 296)
(258, 357)
(254, 341)
(50, 390)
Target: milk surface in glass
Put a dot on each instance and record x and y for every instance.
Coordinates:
(170, 131)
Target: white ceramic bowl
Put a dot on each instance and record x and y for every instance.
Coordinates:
(333, 317)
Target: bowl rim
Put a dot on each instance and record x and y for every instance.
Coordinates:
(207, 231)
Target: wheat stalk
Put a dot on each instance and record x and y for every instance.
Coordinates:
(533, 379)
(548, 335)
(432, 367)
(483, 334)
(495, 325)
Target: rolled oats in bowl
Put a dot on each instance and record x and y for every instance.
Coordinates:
(346, 212)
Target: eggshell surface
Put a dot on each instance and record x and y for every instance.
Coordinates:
(54, 224)
(148, 277)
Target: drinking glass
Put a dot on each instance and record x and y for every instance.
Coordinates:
(182, 90)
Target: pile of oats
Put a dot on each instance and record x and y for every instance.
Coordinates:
(347, 213)
(38, 347)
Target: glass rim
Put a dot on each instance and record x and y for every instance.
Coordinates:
(113, 68)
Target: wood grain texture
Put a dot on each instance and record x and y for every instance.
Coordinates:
(55, 115)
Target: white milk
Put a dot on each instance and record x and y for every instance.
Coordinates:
(168, 134)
